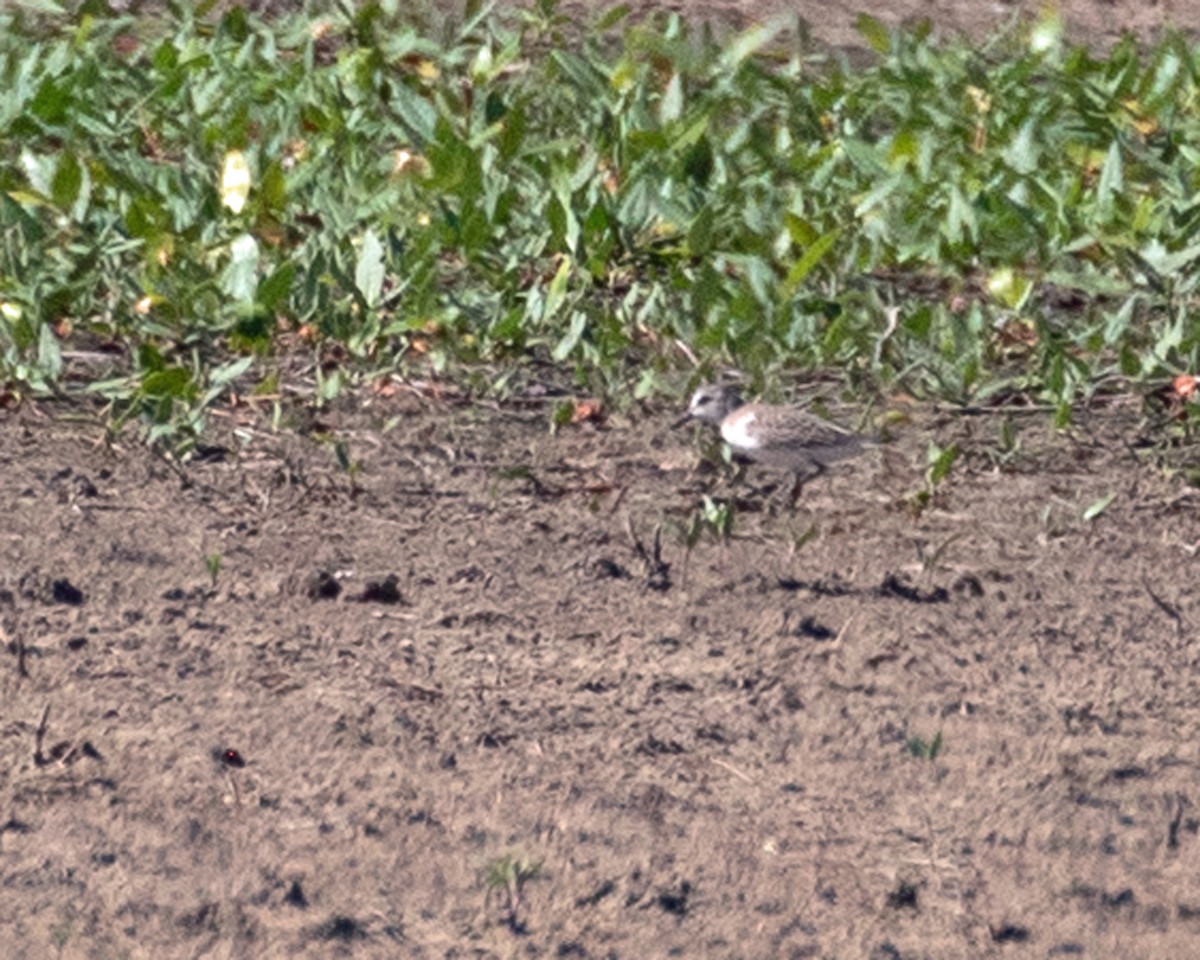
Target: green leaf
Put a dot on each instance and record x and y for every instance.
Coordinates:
(414, 113)
(877, 195)
(800, 230)
(874, 32)
(118, 388)
(568, 343)
(1009, 287)
(612, 17)
(961, 224)
(750, 41)
(168, 382)
(512, 134)
(329, 386)
(49, 353)
(1112, 177)
(28, 198)
(276, 288)
(940, 459)
(273, 189)
(808, 260)
(43, 6)
(68, 178)
(647, 385)
(240, 277)
(53, 101)
(1023, 154)
(582, 74)
(558, 289)
(229, 372)
(698, 160)
(699, 237)
(671, 106)
(368, 272)
(1165, 262)
(150, 359)
(38, 171)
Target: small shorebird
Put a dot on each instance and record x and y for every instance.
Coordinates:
(785, 438)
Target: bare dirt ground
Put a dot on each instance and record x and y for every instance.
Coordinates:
(831, 22)
(477, 655)
(707, 755)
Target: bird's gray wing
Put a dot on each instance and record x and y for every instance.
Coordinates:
(791, 426)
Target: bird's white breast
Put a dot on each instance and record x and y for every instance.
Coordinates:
(738, 431)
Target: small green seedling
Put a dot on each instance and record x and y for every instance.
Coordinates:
(940, 460)
(715, 517)
(1009, 446)
(561, 416)
(506, 877)
(925, 750)
(352, 468)
(800, 540)
(212, 563)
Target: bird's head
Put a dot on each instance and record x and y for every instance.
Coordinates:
(712, 403)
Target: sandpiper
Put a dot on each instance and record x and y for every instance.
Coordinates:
(785, 438)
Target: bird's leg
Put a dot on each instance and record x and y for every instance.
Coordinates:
(802, 478)
(797, 489)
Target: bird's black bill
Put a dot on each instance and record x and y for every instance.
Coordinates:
(680, 421)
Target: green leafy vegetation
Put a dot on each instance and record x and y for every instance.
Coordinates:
(193, 206)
